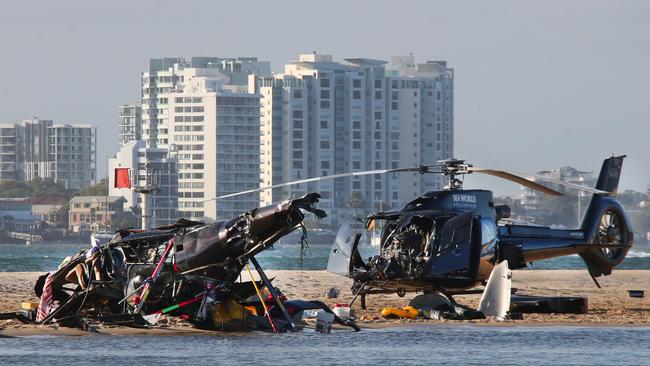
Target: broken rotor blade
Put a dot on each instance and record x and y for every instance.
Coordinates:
(417, 169)
(515, 178)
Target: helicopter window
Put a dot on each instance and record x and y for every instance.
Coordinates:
(488, 231)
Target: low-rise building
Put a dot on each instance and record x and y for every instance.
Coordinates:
(16, 215)
(51, 211)
(530, 198)
(148, 166)
(96, 213)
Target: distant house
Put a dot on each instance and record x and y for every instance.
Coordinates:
(16, 215)
(95, 213)
(51, 210)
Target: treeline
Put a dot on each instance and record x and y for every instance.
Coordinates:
(39, 187)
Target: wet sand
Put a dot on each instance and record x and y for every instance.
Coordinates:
(608, 306)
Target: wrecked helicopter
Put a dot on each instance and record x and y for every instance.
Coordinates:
(189, 270)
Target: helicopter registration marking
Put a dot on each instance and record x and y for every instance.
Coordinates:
(464, 200)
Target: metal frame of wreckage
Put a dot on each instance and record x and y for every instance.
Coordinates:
(164, 234)
(140, 241)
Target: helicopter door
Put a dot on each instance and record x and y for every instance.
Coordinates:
(452, 253)
(344, 248)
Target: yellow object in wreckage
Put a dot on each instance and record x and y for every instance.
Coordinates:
(407, 312)
(227, 312)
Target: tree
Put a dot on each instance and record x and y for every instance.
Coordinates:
(37, 187)
(99, 189)
(46, 187)
(631, 199)
(355, 201)
(14, 189)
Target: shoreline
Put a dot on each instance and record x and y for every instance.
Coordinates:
(609, 306)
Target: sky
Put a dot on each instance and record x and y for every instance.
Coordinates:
(538, 84)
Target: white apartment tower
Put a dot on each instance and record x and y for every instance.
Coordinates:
(167, 75)
(130, 123)
(322, 117)
(215, 128)
(200, 108)
(34, 148)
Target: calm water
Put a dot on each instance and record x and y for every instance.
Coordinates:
(46, 257)
(431, 344)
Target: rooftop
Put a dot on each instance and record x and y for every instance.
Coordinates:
(90, 199)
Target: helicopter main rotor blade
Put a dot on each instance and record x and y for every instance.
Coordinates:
(417, 169)
(515, 178)
(567, 184)
(518, 177)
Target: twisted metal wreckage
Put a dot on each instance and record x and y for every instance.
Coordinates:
(189, 270)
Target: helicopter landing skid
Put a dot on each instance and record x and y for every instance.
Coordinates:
(362, 292)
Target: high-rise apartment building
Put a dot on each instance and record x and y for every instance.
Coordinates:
(322, 117)
(200, 108)
(215, 128)
(168, 75)
(130, 123)
(33, 148)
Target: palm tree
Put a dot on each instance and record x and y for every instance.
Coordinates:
(355, 201)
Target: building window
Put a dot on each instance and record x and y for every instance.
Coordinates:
(377, 83)
(356, 94)
(324, 144)
(325, 104)
(356, 83)
(323, 124)
(324, 83)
